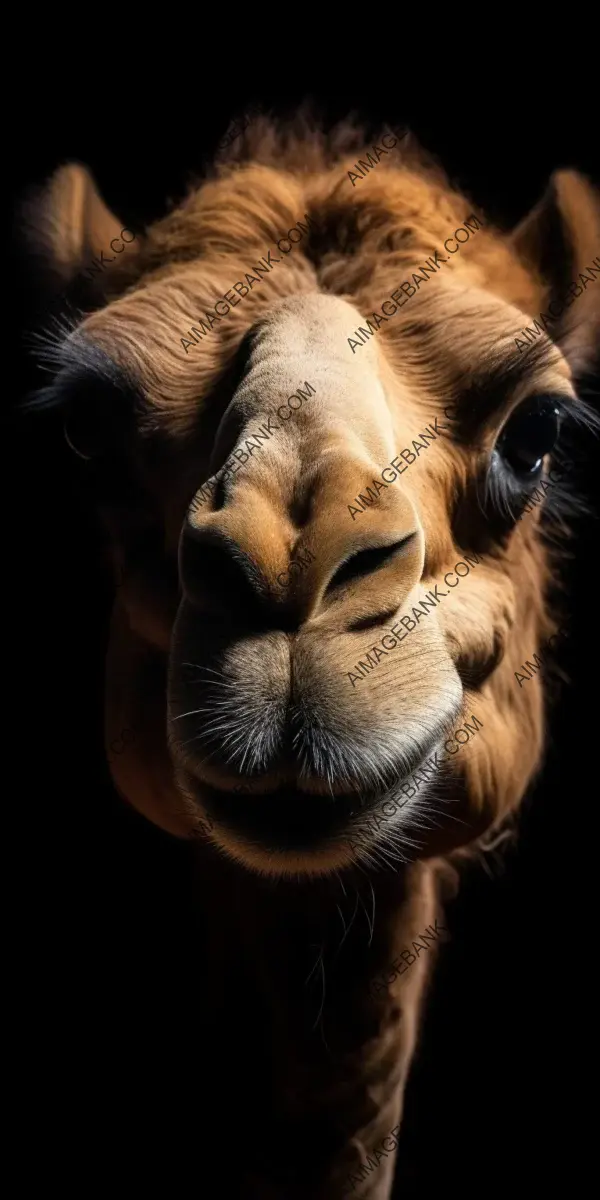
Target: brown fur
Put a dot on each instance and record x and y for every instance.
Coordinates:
(325, 1091)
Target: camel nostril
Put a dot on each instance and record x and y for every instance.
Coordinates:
(365, 562)
(211, 563)
(219, 495)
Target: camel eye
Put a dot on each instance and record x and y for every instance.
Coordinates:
(529, 434)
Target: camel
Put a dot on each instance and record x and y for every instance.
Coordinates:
(324, 822)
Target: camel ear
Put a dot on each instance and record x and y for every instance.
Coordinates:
(68, 226)
(560, 242)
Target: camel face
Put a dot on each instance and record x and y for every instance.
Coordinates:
(267, 690)
(322, 701)
(372, 441)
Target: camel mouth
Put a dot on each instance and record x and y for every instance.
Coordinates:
(285, 819)
(290, 821)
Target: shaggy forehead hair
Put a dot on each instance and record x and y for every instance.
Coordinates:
(362, 242)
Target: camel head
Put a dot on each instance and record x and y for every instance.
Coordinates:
(314, 407)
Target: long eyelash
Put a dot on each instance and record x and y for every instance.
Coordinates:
(496, 496)
(562, 500)
(47, 343)
(76, 362)
(579, 413)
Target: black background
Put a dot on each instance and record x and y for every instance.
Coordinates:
(495, 1090)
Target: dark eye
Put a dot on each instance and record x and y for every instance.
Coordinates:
(529, 434)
